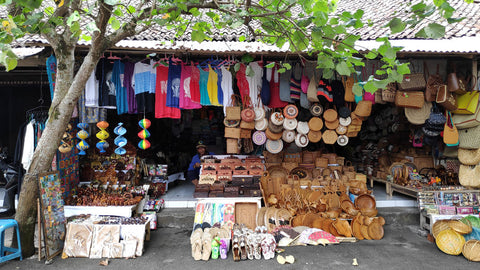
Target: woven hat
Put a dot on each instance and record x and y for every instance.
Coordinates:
(274, 147)
(259, 137)
(301, 140)
(261, 124)
(341, 130)
(290, 111)
(302, 127)
(277, 118)
(231, 123)
(329, 136)
(272, 136)
(418, 116)
(275, 128)
(315, 123)
(289, 136)
(316, 109)
(290, 124)
(345, 121)
(330, 115)
(342, 140)
(332, 125)
(259, 113)
(314, 136)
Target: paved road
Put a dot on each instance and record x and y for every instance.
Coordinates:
(169, 248)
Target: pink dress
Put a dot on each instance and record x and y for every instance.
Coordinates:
(161, 109)
(185, 93)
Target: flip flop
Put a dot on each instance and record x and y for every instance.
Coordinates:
(223, 250)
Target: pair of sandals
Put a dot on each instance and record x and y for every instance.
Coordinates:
(219, 248)
(268, 247)
(201, 242)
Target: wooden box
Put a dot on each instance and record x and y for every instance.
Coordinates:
(246, 213)
(242, 180)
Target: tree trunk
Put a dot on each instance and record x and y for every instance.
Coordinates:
(67, 92)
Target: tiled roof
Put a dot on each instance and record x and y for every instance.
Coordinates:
(379, 11)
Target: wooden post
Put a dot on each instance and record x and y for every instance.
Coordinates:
(475, 73)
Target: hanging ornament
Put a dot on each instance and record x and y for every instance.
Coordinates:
(102, 135)
(120, 141)
(144, 134)
(66, 145)
(82, 135)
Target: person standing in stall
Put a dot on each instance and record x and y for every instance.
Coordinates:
(193, 172)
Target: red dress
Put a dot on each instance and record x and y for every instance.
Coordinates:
(161, 109)
(275, 101)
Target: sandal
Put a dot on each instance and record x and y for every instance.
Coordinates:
(215, 247)
(258, 247)
(207, 245)
(250, 247)
(243, 247)
(223, 249)
(235, 248)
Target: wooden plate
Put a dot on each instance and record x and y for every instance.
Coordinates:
(365, 201)
(364, 230)
(375, 231)
(356, 228)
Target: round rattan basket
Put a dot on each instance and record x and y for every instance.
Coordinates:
(329, 137)
(471, 250)
(450, 242)
(460, 227)
(283, 217)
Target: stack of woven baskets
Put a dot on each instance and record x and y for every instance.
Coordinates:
(451, 235)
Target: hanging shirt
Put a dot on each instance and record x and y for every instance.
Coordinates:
(275, 101)
(255, 83)
(144, 79)
(185, 91)
(227, 87)
(28, 145)
(242, 84)
(106, 88)
(212, 86)
(127, 81)
(204, 99)
(52, 73)
(195, 84)
(117, 77)
(91, 91)
(219, 86)
(161, 109)
(173, 86)
(89, 115)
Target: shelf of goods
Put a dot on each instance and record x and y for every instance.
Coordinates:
(121, 211)
(391, 187)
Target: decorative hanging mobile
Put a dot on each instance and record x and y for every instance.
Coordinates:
(66, 144)
(120, 141)
(82, 145)
(102, 135)
(144, 133)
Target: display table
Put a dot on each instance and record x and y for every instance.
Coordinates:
(391, 187)
(257, 200)
(121, 211)
(427, 220)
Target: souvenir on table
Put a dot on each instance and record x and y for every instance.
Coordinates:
(120, 141)
(144, 134)
(82, 135)
(102, 135)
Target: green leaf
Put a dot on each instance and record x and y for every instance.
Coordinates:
(131, 9)
(370, 87)
(327, 73)
(371, 55)
(31, 4)
(118, 12)
(380, 72)
(242, 38)
(433, 30)
(455, 20)
(357, 89)
(358, 14)
(10, 63)
(92, 27)
(282, 70)
(396, 25)
(287, 66)
(342, 69)
(403, 69)
(198, 36)
(249, 71)
(247, 58)
(270, 65)
(194, 12)
(115, 23)
(73, 18)
(325, 62)
(236, 67)
(86, 37)
(112, 2)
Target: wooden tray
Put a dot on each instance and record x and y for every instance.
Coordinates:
(246, 213)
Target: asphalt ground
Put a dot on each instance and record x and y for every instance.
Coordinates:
(403, 247)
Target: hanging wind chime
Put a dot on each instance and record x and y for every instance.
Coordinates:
(102, 135)
(82, 145)
(120, 141)
(144, 134)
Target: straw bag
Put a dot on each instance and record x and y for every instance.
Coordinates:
(471, 250)
(411, 99)
(433, 82)
(247, 125)
(245, 133)
(467, 103)
(312, 90)
(329, 137)
(450, 132)
(348, 84)
(467, 120)
(233, 133)
(232, 146)
(469, 157)
(412, 82)
(446, 99)
(233, 112)
(469, 138)
(364, 108)
(453, 82)
(321, 162)
(469, 176)
(388, 93)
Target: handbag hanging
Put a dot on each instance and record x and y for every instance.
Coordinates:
(233, 111)
(409, 99)
(413, 82)
(265, 92)
(467, 103)
(348, 83)
(450, 132)
(469, 156)
(312, 90)
(467, 120)
(433, 81)
(453, 84)
(469, 138)
(469, 176)
(446, 99)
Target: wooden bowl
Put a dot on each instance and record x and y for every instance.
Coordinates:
(365, 201)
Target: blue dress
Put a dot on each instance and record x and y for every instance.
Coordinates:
(204, 99)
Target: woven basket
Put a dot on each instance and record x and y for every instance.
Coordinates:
(364, 108)
(330, 115)
(413, 99)
(413, 82)
(460, 227)
(314, 136)
(439, 226)
(247, 125)
(388, 94)
(468, 138)
(233, 113)
(330, 137)
(308, 157)
(289, 165)
(332, 125)
(272, 158)
(450, 242)
(292, 157)
(469, 157)
(471, 250)
(233, 133)
(469, 176)
(273, 136)
(232, 146)
(315, 123)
